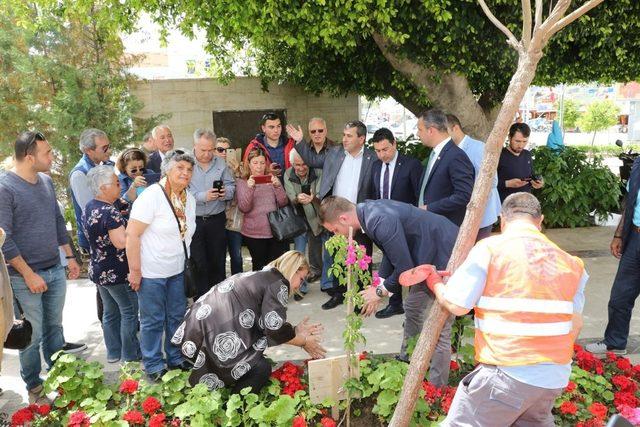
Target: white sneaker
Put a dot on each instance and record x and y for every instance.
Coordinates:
(600, 348)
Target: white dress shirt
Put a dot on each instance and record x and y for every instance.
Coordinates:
(436, 152)
(392, 167)
(348, 177)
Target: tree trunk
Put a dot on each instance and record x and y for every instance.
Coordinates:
(527, 64)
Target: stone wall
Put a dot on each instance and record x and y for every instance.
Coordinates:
(193, 101)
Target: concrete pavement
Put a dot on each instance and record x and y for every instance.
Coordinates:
(383, 336)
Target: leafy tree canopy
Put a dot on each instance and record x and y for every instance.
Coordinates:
(600, 115)
(442, 53)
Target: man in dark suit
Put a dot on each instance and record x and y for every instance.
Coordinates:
(408, 236)
(396, 177)
(447, 181)
(346, 172)
(163, 138)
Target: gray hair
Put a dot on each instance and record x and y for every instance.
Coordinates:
(434, 118)
(520, 204)
(88, 139)
(154, 131)
(318, 119)
(292, 156)
(206, 133)
(173, 157)
(99, 176)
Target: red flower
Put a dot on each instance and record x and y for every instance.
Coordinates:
(299, 421)
(625, 398)
(151, 405)
(133, 418)
(363, 355)
(598, 410)
(129, 386)
(431, 392)
(43, 410)
(447, 398)
(79, 419)
(577, 348)
(327, 422)
(591, 422)
(158, 420)
(176, 422)
(570, 387)
(611, 356)
(624, 383)
(21, 417)
(568, 408)
(624, 364)
(453, 365)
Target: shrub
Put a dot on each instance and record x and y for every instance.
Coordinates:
(576, 188)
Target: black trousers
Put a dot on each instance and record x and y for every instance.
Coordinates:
(362, 239)
(209, 251)
(256, 378)
(263, 251)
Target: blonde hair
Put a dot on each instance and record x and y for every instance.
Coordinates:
(290, 263)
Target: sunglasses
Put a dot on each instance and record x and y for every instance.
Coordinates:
(37, 136)
(178, 151)
(314, 131)
(270, 116)
(136, 170)
(221, 150)
(105, 148)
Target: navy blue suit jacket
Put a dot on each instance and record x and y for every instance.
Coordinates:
(450, 183)
(405, 183)
(630, 203)
(408, 237)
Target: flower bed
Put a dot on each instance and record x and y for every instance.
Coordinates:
(598, 389)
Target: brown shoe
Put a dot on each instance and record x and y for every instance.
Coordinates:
(37, 396)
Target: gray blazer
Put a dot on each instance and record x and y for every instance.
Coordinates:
(330, 161)
(408, 237)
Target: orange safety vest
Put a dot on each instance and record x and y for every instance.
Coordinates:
(524, 315)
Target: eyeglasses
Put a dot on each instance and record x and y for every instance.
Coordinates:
(314, 131)
(105, 148)
(178, 151)
(220, 149)
(37, 136)
(136, 170)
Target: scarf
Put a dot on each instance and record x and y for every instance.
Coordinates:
(179, 203)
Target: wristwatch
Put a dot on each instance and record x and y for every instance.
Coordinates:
(379, 291)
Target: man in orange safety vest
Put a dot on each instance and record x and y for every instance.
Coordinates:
(528, 296)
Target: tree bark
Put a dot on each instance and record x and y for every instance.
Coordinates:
(447, 91)
(527, 64)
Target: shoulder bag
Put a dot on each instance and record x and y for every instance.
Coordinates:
(285, 223)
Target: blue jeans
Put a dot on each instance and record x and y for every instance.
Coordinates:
(326, 282)
(119, 322)
(44, 311)
(162, 308)
(625, 290)
(234, 247)
(300, 245)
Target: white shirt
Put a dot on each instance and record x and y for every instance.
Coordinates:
(436, 152)
(392, 167)
(161, 253)
(346, 184)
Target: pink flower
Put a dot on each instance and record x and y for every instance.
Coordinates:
(362, 264)
(375, 281)
(351, 259)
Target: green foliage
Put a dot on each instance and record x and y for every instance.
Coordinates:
(576, 189)
(570, 113)
(600, 115)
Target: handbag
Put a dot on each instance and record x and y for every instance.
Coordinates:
(190, 270)
(285, 223)
(19, 336)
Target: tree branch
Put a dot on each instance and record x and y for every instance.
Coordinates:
(574, 15)
(511, 39)
(526, 23)
(538, 15)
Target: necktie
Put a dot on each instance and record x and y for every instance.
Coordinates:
(385, 183)
(426, 178)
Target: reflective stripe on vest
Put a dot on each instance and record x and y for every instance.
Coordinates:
(531, 305)
(502, 327)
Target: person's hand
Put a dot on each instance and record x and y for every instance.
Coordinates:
(305, 328)
(139, 181)
(304, 199)
(275, 169)
(434, 277)
(295, 134)
(537, 184)
(251, 182)
(275, 181)
(74, 269)
(616, 247)
(371, 301)
(135, 277)
(313, 347)
(515, 183)
(212, 194)
(35, 283)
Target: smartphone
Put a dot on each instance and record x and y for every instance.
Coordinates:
(262, 179)
(306, 189)
(536, 177)
(151, 178)
(218, 184)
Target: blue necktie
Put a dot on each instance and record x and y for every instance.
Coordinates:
(385, 183)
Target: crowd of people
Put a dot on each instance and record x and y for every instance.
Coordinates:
(142, 217)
